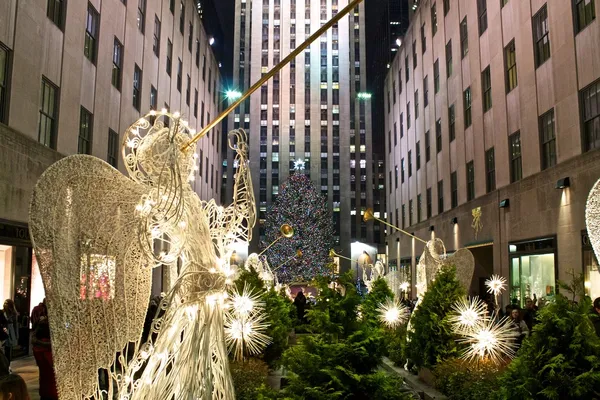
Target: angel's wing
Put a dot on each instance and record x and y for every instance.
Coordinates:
(234, 222)
(96, 274)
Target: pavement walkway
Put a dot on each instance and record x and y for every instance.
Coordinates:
(28, 370)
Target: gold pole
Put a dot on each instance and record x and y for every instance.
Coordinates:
(332, 253)
(269, 246)
(346, 10)
(369, 216)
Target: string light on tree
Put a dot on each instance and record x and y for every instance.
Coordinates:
(303, 207)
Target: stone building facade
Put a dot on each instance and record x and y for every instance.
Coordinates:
(490, 106)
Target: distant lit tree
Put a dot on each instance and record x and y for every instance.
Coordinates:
(300, 205)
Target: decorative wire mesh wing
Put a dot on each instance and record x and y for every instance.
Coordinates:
(234, 223)
(95, 274)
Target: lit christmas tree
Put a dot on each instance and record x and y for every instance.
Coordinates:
(302, 206)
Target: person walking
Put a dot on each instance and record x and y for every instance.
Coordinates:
(9, 321)
(42, 352)
(300, 304)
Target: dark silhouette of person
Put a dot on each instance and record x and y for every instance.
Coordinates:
(300, 303)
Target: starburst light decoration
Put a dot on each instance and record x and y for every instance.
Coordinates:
(97, 235)
(404, 286)
(245, 323)
(392, 313)
(496, 285)
(468, 315)
(299, 164)
(491, 340)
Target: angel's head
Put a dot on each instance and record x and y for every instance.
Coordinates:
(154, 148)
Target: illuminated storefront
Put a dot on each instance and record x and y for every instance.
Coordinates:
(533, 269)
(20, 277)
(591, 270)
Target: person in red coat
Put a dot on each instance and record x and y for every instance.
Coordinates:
(42, 351)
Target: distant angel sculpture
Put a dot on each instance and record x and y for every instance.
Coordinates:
(97, 235)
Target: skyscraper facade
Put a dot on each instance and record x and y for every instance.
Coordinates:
(311, 117)
(493, 130)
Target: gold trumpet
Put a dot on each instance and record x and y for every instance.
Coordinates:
(368, 216)
(297, 254)
(332, 254)
(286, 230)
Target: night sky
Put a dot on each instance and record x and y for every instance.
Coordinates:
(226, 10)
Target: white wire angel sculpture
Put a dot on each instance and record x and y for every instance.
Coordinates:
(98, 234)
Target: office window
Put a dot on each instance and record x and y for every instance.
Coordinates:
(4, 74)
(172, 9)
(400, 80)
(169, 56)
(403, 215)
(209, 78)
(409, 163)
(486, 84)
(113, 148)
(516, 171)
(188, 90)
(464, 38)
(396, 133)
(449, 58)
(548, 139)
(393, 93)
(141, 15)
(389, 104)
(467, 106)
(433, 20)
(90, 46)
(156, 39)
(427, 147)
(406, 69)
(117, 64)
(503, 3)
(195, 103)
(440, 187)
(84, 142)
(390, 181)
(585, 13)
(541, 36)
(425, 92)
(590, 104)
(446, 7)
(153, 98)
(436, 76)
(396, 176)
(179, 77)
(206, 169)
(137, 87)
(490, 170)
(410, 212)
(48, 114)
(423, 39)
(438, 135)
(182, 19)
(402, 170)
(407, 116)
(451, 122)
(202, 114)
(401, 125)
(416, 104)
(453, 190)
(190, 36)
(414, 52)
(54, 11)
(482, 14)
(470, 181)
(418, 155)
(197, 53)
(419, 207)
(429, 203)
(510, 61)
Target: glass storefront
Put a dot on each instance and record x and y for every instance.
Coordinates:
(591, 270)
(532, 269)
(20, 278)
